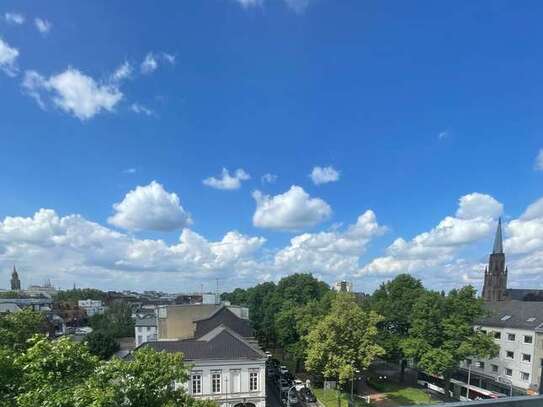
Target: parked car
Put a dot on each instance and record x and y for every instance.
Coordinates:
(307, 396)
(283, 385)
(283, 370)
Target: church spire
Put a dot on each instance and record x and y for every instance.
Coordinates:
(498, 243)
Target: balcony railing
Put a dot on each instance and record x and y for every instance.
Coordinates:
(523, 401)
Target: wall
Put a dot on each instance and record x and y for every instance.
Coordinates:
(227, 398)
(175, 321)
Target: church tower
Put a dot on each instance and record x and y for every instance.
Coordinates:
(15, 282)
(495, 285)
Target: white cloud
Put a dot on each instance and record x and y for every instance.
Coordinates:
(73, 92)
(298, 6)
(475, 219)
(71, 248)
(140, 109)
(250, 3)
(130, 171)
(8, 58)
(539, 161)
(478, 205)
(150, 207)
(335, 252)
(324, 175)
(292, 210)
(227, 181)
(43, 25)
(149, 64)
(153, 60)
(526, 232)
(268, 178)
(14, 18)
(124, 71)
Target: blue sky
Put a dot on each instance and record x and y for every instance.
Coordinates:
(405, 108)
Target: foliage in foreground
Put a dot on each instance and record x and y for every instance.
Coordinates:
(63, 373)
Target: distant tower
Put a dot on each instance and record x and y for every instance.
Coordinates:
(15, 282)
(495, 284)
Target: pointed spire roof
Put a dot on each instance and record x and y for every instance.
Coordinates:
(498, 241)
(14, 272)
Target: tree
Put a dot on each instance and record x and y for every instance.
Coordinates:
(101, 344)
(116, 321)
(52, 371)
(394, 301)
(344, 340)
(18, 327)
(63, 373)
(76, 294)
(147, 380)
(442, 334)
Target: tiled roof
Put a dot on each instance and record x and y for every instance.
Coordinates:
(514, 314)
(219, 344)
(223, 316)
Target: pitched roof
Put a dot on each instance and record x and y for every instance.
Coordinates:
(514, 314)
(223, 316)
(148, 320)
(219, 344)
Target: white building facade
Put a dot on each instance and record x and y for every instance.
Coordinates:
(145, 330)
(91, 307)
(230, 383)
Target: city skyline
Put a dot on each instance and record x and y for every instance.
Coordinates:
(247, 140)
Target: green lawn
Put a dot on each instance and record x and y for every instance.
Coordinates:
(410, 396)
(329, 398)
(404, 396)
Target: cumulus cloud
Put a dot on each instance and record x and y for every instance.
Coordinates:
(150, 207)
(324, 175)
(8, 58)
(72, 247)
(43, 25)
(73, 92)
(526, 232)
(14, 18)
(475, 219)
(336, 253)
(539, 161)
(292, 210)
(227, 181)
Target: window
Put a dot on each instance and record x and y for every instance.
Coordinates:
(526, 357)
(508, 372)
(497, 335)
(216, 382)
(483, 331)
(481, 365)
(253, 381)
(525, 376)
(510, 354)
(197, 383)
(148, 329)
(140, 339)
(495, 368)
(510, 337)
(528, 339)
